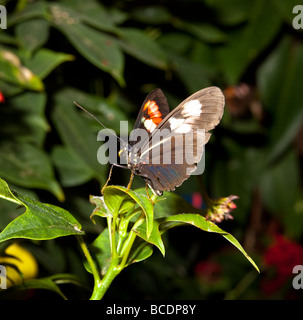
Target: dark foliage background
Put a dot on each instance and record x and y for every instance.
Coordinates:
(107, 55)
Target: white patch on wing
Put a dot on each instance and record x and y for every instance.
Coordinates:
(184, 128)
(175, 123)
(149, 125)
(192, 108)
(178, 125)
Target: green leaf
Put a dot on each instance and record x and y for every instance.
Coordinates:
(40, 221)
(44, 61)
(193, 75)
(92, 13)
(293, 217)
(249, 163)
(279, 184)
(204, 32)
(113, 200)
(232, 12)
(14, 72)
(154, 238)
(153, 14)
(101, 209)
(28, 166)
(5, 192)
(73, 130)
(280, 78)
(109, 113)
(176, 42)
(32, 34)
(114, 196)
(170, 204)
(284, 8)
(203, 224)
(72, 170)
(9, 89)
(6, 38)
(97, 47)
(101, 251)
(48, 283)
(138, 44)
(140, 251)
(258, 33)
(31, 11)
(31, 125)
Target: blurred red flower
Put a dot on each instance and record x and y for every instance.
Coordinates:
(208, 271)
(1, 97)
(280, 257)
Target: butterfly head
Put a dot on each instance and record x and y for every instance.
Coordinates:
(124, 151)
(130, 155)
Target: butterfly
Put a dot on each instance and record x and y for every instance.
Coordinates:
(161, 154)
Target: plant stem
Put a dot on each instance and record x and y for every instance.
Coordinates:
(113, 237)
(110, 275)
(127, 248)
(90, 261)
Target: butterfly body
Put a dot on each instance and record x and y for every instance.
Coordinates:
(172, 143)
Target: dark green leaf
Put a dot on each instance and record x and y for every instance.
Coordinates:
(49, 283)
(152, 15)
(6, 38)
(140, 251)
(279, 183)
(92, 13)
(28, 166)
(72, 170)
(32, 34)
(31, 125)
(204, 32)
(176, 42)
(254, 37)
(194, 75)
(73, 130)
(280, 79)
(44, 61)
(97, 47)
(110, 114)
(101, 251)
(293, 217)
(285, 8)
(138, 44)
(32, 10)
(231, 12)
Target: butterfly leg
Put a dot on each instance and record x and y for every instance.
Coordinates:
(130, 180)
(107, 181)
(146, 188)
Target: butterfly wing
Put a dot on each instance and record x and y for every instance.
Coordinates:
(163, 160)
(153, 110)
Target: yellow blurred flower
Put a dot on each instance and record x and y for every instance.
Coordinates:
(18, 259)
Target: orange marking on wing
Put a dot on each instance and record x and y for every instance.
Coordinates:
(157, 120)
(153, 111)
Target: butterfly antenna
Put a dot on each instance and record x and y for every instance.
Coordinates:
(78, 105)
